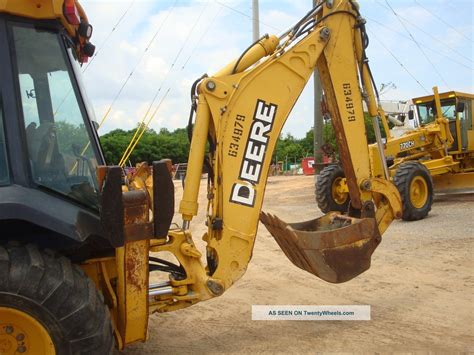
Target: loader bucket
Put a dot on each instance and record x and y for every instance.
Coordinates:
(334, 247)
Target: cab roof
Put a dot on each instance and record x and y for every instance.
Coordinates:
(69, 13)
(444, 95)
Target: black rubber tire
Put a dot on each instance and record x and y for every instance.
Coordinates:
(324, 197)
(405, 174)
(59, 295)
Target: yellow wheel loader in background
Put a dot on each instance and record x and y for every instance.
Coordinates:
(437, 156)
(79, 240)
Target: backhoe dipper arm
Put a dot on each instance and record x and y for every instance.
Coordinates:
(241, 111)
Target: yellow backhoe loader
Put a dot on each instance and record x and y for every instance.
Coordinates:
(437, 156)
(80, 240)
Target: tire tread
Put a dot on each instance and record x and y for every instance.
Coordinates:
(55, 284)
(402, 180)
(324, 189)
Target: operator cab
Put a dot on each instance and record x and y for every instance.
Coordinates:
(49, 147)
(60, 139)
(457, 108)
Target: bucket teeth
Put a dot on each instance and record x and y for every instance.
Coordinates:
(286, 239)
(333, 247)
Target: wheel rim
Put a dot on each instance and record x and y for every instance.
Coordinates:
(337, 191)
(21, 333)
(418, 192)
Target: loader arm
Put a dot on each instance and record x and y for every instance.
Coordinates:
(240, 111)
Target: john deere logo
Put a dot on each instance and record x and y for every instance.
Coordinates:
(251, 169)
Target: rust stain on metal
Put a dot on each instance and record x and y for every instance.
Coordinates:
(336, 119)
(137, 232)
(136, 216)
(135, 266)
(136, 207)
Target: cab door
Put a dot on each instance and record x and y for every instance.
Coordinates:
(4, 172)
(449, 111)
(465, 118)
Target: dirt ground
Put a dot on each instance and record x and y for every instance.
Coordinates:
(420, 288)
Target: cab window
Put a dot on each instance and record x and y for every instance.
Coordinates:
(427, 110)
(466, 116)
(58, 132)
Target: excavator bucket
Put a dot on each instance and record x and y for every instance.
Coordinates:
(336, 248)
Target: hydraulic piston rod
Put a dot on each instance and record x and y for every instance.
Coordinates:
(189, 205)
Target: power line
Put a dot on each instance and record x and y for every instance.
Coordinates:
(202, 36)
(399, 62)
(438, 40)
(141, 131)
(117, 24)
(246, 15)
(443, 21)
(176, 59)
(99, 48)
(424, 45)
(137, 64)
(137, 136)
(417, 44)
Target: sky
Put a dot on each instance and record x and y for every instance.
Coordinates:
(167, 44)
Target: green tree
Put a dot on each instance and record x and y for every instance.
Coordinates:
(175, 145)
(152, 146)
(307, 143)
(289, 149)
(330, 137)
(71, 138)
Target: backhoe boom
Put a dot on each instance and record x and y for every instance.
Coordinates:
(105, 229)
(241, 111)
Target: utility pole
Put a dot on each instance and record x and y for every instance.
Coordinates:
(318, 115)
(255, 21)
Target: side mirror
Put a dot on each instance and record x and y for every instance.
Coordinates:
(411, 115)
(95, 125)
(460, 106)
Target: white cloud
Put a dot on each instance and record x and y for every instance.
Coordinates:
(220, 36)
